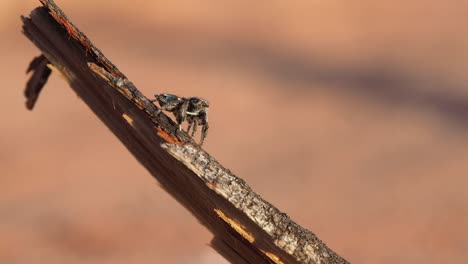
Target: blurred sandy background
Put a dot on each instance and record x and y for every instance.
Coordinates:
(358, 109)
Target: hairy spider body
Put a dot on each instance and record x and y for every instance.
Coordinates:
(194, 110)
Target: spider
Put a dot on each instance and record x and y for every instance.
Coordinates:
(194, 110)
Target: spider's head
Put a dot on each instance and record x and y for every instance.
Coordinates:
(197, 105)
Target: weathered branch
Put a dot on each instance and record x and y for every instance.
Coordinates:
(246, 228)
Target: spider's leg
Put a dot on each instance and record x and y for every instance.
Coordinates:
(155, 98)
(204, 132)
(162, 108)
(195, 126)
(182, 113)
(190, 123)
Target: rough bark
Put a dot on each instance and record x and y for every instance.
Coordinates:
(246, 228)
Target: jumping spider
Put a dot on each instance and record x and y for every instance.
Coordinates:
(194, 110)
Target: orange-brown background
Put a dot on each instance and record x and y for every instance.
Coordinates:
(351, 116)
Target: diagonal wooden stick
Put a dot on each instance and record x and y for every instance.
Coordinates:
(246, 228)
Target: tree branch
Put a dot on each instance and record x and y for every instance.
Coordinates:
(246, 228)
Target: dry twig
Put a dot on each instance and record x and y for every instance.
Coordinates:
(246, 228)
